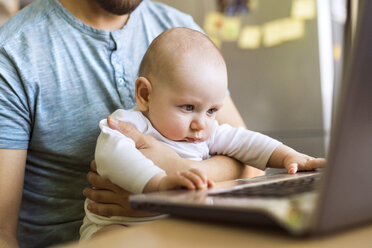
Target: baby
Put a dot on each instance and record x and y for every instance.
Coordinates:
(181, 86)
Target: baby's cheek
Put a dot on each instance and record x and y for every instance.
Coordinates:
(209, 129)
(176, 130)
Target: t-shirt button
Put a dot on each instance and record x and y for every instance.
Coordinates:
(121, 81)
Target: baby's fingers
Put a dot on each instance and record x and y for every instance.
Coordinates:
(201, 174)
(210, 183)
(197, 177)
(176, 182)
(292, 168)
(313, 164)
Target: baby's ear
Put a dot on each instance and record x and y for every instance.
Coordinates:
(143, 90)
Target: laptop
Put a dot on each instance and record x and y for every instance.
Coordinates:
(307, 203)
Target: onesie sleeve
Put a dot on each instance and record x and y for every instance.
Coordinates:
(119, 160)
(248, 147)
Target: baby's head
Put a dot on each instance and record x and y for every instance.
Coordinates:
(182, 84)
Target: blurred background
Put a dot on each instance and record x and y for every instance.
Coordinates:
(283, 57)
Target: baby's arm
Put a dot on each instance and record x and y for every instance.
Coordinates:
(246, 146)
(190, 179)
(259, 150)
(286, 157)
(119, 160)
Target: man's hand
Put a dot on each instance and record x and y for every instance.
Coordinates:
(109, 199)
(162, 155)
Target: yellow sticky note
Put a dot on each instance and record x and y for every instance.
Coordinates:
(272, 34)
(230, 28)
(337, 52)
(303, 9)
(282, 30)
(216, 41)
(213, 23)
(250, 37)
(292, 29)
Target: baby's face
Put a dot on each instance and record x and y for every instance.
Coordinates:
(184, 108)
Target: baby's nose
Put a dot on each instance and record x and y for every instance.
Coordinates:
(197, 124)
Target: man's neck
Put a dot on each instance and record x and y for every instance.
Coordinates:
(89, 12)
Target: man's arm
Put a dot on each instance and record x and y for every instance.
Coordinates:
(229, 114)
(12, 170)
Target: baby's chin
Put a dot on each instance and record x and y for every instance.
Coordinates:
(188, 139)
(193, 140)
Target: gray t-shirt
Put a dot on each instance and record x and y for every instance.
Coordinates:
(58, 78)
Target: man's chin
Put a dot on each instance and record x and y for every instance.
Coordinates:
(119, 7)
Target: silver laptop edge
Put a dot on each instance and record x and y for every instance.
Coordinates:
(291, 213)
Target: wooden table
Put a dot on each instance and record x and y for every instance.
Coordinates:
(177, 233)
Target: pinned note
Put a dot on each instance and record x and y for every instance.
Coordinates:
(292, 29)
(272, 33)
(222, 27)
(213, 23)
(303, 9)
(250, 37)
(279, 31)
(337, 52)
(230, 28)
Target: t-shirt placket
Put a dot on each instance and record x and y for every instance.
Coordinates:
(122, 82)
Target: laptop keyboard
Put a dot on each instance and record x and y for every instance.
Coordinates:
(277, 189)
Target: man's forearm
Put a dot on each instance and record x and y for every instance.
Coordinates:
(12, 168)
(7, 241)
(221, 168)
(217, 168)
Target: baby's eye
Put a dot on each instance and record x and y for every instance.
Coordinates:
(188, 107)
(212, 111)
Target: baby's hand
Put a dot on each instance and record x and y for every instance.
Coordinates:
(296, 161)
(190, 179)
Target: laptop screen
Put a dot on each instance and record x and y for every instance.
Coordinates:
(346, 198)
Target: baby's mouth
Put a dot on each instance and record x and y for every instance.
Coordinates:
(193, 140)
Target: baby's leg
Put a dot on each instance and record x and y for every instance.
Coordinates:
(107, 229)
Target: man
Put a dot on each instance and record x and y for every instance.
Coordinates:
(64, 65)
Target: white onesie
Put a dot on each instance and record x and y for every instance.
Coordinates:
(118, 159)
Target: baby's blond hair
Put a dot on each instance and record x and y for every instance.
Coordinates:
(170, 48)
